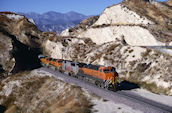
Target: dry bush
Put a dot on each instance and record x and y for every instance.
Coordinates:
(153, 88)
(105, 58)
(149, 86)
(102, 26)
(21, 73)
(89, 41)
(112, 47)
(74, 86)
(125, 51)
(74, 102)
(130, 51)
(142, 67)
(134, 76)
(2, 45)
(9, 101)
(132, 63)
(145, 54)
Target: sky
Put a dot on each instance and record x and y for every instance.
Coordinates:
(87, 7)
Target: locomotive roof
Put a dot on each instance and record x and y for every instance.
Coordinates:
(95, 67)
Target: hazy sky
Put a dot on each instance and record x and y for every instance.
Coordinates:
(87, 7)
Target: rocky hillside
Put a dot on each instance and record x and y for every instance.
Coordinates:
(136, 40)
(41, 92)
(134, 36)
(24, 90)
(55, 22)
(37, 91)
(20, 43)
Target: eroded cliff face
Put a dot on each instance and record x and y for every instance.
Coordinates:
(20, 43)
(32, 91)
(129, 20)
(140, 65)
(7, 62)
(23, 29)
(136, 43)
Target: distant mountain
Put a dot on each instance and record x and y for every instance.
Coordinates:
(55, 21)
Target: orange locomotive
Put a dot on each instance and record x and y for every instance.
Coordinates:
(50, 62)
(44, 60)
(105, 77)
(57, 63)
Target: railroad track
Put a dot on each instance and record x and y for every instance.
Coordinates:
(121, 97)
(146, 102)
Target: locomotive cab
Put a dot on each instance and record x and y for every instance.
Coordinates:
(111, 77)
(44, 60)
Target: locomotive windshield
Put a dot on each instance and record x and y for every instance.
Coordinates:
(106, 70)
(113, 69)
(60, 61)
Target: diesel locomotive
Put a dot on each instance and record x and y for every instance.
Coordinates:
(102, 76)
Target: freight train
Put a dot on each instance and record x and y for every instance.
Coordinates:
(102, 76)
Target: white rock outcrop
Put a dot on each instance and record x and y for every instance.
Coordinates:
(65, 33)
(54, 49)
(119, 14)
(135, 36)
(14, 16)
(121, 22)
(32, 21)
(127, 41)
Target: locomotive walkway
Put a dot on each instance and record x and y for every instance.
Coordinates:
(121, 97)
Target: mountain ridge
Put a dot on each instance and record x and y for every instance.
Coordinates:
(55, 21)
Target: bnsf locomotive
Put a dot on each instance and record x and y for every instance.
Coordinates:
(105, 77)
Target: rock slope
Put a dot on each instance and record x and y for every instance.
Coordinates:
(38, 91)
(20, 43)
(138, 44)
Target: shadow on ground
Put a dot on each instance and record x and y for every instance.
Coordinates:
(2, 109)
(125, 85)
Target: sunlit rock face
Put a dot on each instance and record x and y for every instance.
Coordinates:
(134, 37)
(20, 43)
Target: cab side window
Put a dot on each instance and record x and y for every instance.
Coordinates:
(73, 64)
(60, 61)
(106, 71)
